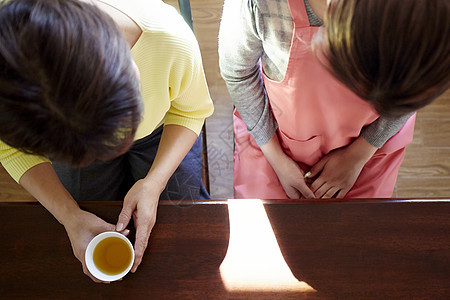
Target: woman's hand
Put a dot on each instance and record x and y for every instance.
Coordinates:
(292, 178)
(338, 170)
(81, 226)
(142, 199)
(289, 173)
(81, 229)
(141, 203)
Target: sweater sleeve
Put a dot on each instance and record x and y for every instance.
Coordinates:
(190, 99)
(17, 163)
(382, 129)
(173, 83)
(240, 50)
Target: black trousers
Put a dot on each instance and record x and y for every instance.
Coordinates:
(111, 180)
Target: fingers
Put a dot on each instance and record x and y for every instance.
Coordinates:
(317, 168)
(306, 192)
(295, 190)
(139, 249)
(124, 217)
(113, 227)
(142, 236)
(109, 227)
(319, 182)
(86, 271)
(144, 224)
(326, 191)
(292, 193)
(342, 193)
(125, 232)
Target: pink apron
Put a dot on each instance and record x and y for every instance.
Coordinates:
(316, 114)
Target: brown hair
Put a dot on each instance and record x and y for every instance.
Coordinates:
(67, 86)
(392, 53)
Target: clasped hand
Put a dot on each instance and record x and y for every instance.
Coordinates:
(332, 177)
(335, 174)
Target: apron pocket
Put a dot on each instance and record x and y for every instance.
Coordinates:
(307, 152)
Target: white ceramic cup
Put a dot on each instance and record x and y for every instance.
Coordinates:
(89, 256)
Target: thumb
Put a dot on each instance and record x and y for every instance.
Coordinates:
(124, 230)
(124, 217)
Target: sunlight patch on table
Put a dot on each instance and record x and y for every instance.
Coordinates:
(254, 261)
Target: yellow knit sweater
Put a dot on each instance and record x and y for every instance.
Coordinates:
(173, 83)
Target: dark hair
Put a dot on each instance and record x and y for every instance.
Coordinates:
(392, 53)
(68, 89)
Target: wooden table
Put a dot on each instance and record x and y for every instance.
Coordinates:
(332, 250)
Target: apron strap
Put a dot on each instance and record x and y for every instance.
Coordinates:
(298, 13)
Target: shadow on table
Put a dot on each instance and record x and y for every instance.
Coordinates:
(367, 251)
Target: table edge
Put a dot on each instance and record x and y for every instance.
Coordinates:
(264, 201)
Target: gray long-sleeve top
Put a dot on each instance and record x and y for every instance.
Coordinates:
(254, 32)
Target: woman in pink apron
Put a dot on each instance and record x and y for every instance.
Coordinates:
(319, 123)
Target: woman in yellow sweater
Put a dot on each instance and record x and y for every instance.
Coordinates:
(84, 118)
